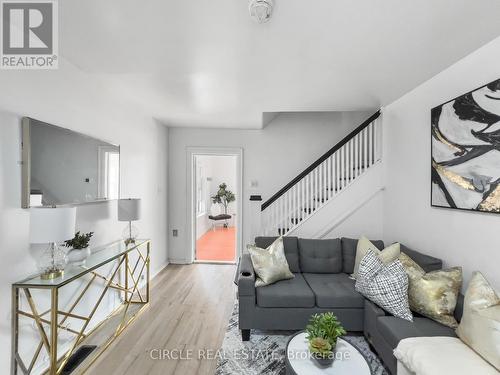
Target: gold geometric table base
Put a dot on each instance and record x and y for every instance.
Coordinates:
(55, 317)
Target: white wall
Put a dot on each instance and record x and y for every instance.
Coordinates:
(271, 156)
(461, 238)
(70, 98)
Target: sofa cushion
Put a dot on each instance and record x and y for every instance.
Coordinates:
(286, 293)
(439, 355)
(349, 246)
(395, 329)
(427, 262)
(334, 290)
(320, 256)
(291, 249)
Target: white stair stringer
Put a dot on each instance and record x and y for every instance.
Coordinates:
(342, 205)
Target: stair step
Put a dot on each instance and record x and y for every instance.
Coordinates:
(309, 210)
(282, 231)
(296, 220)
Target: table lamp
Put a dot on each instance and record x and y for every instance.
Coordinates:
(52, 225)
(129, 210)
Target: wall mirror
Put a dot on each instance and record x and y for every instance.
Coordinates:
(63, 167)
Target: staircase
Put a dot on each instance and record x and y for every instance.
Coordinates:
(319, 184)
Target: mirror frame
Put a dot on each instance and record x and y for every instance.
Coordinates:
(26, 164)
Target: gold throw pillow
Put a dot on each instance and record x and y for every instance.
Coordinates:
(270, 264)
(389, 254)
(433, 294)
(480, 324)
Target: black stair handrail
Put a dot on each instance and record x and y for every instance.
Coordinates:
(321, 159)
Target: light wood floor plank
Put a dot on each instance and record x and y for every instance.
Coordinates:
(190, 309)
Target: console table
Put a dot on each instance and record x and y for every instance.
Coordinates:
(114, 268)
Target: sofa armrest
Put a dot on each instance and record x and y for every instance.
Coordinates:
(246, 276)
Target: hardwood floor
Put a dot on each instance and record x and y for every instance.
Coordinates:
(189, 312)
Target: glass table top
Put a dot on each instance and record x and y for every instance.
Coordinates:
(99, 257)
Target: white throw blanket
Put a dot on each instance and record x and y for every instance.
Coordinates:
(441, 355)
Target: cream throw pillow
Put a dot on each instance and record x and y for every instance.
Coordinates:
(387, 255)
(270, 264)
(480, 324)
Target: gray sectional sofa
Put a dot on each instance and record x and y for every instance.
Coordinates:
(321, 284)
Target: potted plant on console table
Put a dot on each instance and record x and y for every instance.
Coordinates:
(323, 331)
(80, 248)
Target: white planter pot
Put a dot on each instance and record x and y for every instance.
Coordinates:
(78, 257)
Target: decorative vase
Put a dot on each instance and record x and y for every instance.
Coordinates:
(323, 361)
(78, 257)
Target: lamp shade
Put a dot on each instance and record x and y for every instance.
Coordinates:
(52, 224)
(129, 209)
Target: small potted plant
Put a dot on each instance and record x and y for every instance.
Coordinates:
(79, 248)
(323, 331)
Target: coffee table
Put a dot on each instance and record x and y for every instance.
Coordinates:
(348, 360)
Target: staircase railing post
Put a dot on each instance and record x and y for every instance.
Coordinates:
(379, 134)
(256, 227)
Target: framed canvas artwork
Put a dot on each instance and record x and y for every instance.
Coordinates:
(466, 151)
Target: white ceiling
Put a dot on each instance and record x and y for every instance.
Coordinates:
(207, 63)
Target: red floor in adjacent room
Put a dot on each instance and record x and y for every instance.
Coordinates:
(218, 245)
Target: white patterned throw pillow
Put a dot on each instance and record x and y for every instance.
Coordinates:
(384, 284)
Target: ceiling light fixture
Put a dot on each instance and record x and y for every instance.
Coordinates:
(261, 10)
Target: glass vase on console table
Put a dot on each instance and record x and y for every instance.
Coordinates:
(52, 225)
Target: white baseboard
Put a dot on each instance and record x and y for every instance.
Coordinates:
(179, 261)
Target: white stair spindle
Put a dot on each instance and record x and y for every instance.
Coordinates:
(370, 144)
(344, 167)
(282, 213)
(329, 177)
(318, 187)
(356, 156)
(289, 214)
(337, 168)
(341, 170)
(306, 189)
(300, 214)
(278, 213)
(365, 149)
(347, 172)
(294, 206)
(318, 179)
(325, 179)
(322, 185)
(351, 160)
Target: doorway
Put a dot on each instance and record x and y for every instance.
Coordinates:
(216, 205)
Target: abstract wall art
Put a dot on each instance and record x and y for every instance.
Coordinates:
(466, 151)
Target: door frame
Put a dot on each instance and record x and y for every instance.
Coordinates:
(191, 152)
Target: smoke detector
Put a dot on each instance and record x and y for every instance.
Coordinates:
(261, 10)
